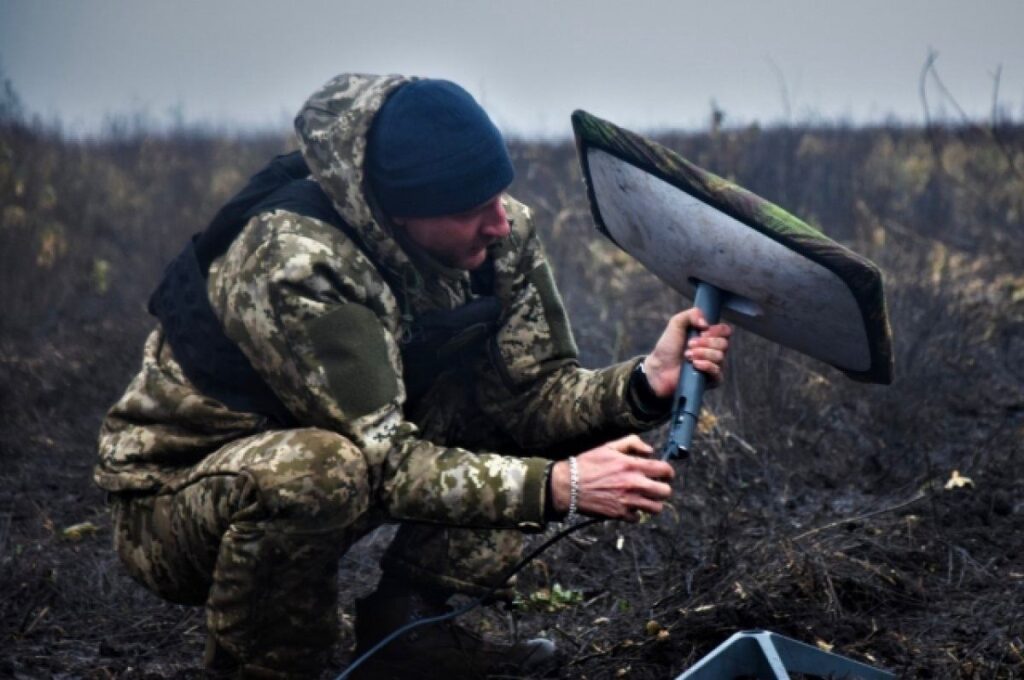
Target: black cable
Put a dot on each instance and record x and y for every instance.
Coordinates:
(397, 633)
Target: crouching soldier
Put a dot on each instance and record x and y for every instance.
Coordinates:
(369, 333)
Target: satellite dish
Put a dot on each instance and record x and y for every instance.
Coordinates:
(768, 271)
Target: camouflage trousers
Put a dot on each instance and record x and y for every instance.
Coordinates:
(255, 532)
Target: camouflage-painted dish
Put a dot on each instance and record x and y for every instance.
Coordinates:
(783, 279)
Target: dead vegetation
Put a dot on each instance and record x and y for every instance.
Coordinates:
(815, 507)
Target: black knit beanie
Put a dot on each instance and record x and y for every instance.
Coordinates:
(433, 151)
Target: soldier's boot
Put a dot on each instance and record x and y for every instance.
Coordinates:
(441, 650)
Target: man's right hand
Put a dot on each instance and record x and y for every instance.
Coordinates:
(616, 480)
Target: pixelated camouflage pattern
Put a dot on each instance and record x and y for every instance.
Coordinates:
(255, 531)
(284, 270)
(163, 425)
(332, 129)
(862, 277)
(525, 395)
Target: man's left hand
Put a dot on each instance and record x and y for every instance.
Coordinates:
(707, 351)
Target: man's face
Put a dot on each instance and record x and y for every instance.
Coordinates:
(460, 240)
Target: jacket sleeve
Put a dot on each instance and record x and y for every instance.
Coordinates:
(318, 323)
(531, 381)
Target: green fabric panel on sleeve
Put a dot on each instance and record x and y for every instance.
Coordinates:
(532, 513)
(554, 312)
(349, 343)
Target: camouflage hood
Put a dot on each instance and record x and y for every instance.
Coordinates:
(332, 127)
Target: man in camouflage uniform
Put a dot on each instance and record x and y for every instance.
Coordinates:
(249, 515)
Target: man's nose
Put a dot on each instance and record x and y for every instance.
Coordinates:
(495, 224)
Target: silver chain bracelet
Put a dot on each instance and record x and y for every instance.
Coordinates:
(574, 490)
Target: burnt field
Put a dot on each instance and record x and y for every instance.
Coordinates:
(886, 523)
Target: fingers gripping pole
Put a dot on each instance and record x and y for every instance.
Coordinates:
(690, 390)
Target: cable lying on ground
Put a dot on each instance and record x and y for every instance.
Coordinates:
(399, 632)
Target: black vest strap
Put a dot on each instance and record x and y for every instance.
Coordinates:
(211, 360)
(231, 218)
(216, 365)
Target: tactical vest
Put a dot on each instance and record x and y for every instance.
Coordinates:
(219, 368)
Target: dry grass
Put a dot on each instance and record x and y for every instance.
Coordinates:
(815, 506)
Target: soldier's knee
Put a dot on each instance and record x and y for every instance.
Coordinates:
(312, 475)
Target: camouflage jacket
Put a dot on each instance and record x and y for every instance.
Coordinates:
(317, 319)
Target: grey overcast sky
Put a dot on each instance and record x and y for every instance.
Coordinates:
(641, 63)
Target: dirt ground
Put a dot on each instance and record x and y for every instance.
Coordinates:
(814, 507)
